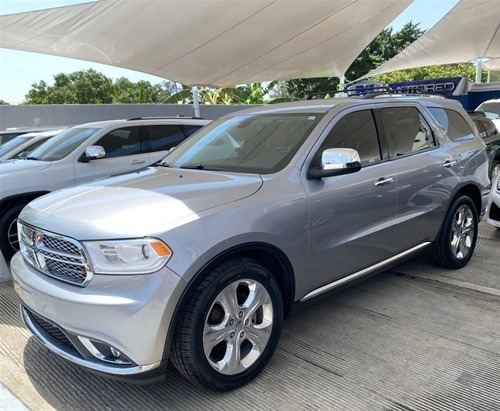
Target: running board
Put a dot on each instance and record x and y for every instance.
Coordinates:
(351, 277)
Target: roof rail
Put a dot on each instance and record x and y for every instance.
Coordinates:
(164, 117)
(372, 93)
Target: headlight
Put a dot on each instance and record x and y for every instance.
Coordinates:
(140, 256)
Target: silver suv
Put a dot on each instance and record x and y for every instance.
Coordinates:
(200, 258)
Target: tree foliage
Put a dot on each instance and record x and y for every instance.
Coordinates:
(382, 48)
(91, 87)
(424, 73)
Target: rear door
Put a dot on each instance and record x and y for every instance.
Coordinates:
(352, 215)
(427, 169)
(125, 152)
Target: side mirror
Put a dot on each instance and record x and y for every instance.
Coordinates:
(93, 153)
(336, 161)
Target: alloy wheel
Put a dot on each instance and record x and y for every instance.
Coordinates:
(238, 326)
(463, 230)
(12, 237)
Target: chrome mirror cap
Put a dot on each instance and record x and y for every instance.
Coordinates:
(93, 152)
(338, 158)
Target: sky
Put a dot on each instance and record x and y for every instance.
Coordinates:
(19, 69)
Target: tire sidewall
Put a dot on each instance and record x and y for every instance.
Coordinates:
(201, 365)
(9, 216)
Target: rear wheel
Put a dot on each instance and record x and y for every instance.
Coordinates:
(456, 242)
(231, 326)
(9, 243)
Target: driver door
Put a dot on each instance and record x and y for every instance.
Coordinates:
(124, 153)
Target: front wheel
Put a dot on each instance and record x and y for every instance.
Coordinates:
(231, 327)
(9, 243)
(457, 240)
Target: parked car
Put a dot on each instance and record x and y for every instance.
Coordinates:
(491, 137)
(10, 133)
(83, 153)
(491, 108)
(494, 203)
(200, 258)
(19, 147)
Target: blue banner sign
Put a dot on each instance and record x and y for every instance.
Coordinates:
(448, 86)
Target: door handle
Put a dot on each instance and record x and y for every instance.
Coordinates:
(137, 162)
(450, 163)
(383, 181)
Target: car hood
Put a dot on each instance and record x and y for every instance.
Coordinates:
(147, 202)
(22, 166)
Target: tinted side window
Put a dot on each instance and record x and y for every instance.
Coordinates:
(164, 137)
(453, 123)
(190, 129)
(406, 130)
(357, 131)
(121, 142)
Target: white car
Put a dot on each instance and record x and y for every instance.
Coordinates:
(494, 203)
(19, 147)
(81, 154)
(491, 109)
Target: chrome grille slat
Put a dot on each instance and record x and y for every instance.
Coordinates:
(54, 255)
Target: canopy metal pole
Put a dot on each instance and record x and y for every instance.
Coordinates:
(342, 81)
(196, 101)
(488, 80)
(478, 70)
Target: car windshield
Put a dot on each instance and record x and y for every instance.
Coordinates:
(61, 145)
(491, 110)
(12, 145)
(262, 143)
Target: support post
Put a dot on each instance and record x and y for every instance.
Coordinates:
(196, 101)
(342, 81)
(478, 70)
(488, 79)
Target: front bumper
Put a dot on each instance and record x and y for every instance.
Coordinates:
(130, 313)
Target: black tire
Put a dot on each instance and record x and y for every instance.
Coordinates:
(444, 254)
(8, 228)
(188, 354)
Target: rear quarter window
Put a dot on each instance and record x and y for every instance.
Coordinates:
(453, 123)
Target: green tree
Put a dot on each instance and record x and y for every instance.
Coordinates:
(91, 87)
(382, 48)
(424, 73)
(81, 87)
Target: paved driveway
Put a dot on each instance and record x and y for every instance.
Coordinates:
(412, 338)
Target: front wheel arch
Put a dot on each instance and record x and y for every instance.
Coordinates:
(266, 254)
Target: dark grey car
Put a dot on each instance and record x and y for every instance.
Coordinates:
(200, 258)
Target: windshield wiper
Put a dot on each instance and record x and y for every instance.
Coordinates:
(160, 164)
(30, 158)
(202, 167)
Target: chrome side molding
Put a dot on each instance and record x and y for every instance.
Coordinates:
(365, 271)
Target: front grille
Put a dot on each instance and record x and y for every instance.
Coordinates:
(52, 254)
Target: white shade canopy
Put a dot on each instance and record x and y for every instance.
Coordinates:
(207, 42)
(468, 32)
(492, 65)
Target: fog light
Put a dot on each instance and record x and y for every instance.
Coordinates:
(104, 352)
